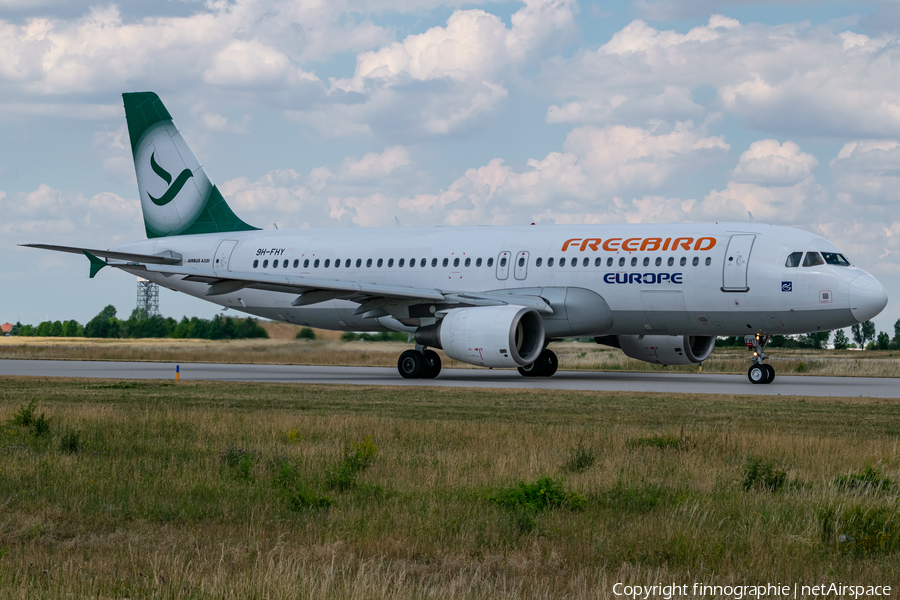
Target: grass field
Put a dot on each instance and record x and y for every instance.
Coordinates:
(282, 348)
(233, 490)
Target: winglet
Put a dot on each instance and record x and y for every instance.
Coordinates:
(750, 214)
(96, 263)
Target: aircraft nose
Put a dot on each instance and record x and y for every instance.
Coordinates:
(867, 297)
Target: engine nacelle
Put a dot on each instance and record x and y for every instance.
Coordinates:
(489, 336)
(663, 349)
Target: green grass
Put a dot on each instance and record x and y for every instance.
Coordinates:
(237, 490)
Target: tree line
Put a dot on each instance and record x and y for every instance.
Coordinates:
(863, 336)
(140, 325)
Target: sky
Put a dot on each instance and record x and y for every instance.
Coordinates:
(349, 113)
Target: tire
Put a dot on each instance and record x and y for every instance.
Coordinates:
(432, 365)
(757, 374)
(531, 370)
(770, 373)
(411, 364)
(549, 363)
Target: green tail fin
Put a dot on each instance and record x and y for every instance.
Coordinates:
(177, 197)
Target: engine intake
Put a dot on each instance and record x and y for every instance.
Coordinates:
(663, 349)
(489, 336)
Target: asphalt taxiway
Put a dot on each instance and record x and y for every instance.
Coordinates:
(695, 383)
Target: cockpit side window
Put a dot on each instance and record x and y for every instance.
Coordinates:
(793, 259)
(834, 258)
(813, 259)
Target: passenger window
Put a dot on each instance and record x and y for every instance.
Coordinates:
(521, 261)
(433, 262)
(412, 262)
(306, 264)
(597, 261)
(296, 263)
(585, 262)
(327, 262)
(646, 261)
(550, 262)
(274, 264)
(562, 261)
(478, 262)
(538, 261)
(379, 263)
(316, 264)
(574, 262)
(683, 261)
(358, 263)
(696, 261)
(812, 259)
(255, 263)
(265, 264)
(445, 262)
(468, 262)
(708, 261)
(634, 261)
(622, 261)
(671, 261)
(793, 259)
(347, 264)
(401, 262)
(337, 264)
(658, 260)
(491, 261)
(422, 264)
(833, 258)
(455, 262)
(609, 261)
(390, 262)
(369, 263)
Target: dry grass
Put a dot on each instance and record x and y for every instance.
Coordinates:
(149, 509)
(327, 349)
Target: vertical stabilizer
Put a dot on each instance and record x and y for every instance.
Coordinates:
(177, 197)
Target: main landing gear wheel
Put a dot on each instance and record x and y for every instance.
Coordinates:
(433, 364)
(419, 365)
(770, 372)
(544, 366)
(757, 374)
(411, 364)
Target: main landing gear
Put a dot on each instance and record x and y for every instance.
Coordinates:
(759, 372)
(544, 366)
(419, 364)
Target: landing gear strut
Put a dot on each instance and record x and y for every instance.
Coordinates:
(759, 372)
(544, 366)
(419, 364)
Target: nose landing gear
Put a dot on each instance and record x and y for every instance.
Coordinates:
(419, 364)
(759, 372)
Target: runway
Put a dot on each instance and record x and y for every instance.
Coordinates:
(784, 385)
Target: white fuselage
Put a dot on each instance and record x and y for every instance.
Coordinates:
(724, 279)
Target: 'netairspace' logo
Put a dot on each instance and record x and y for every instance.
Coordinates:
(167, 177)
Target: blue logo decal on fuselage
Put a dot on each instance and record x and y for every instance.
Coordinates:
(643, 278)
(787, 286)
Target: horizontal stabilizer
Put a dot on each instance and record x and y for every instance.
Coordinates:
(163, 258)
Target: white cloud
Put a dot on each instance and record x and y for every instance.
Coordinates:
(866, 175)
(374, 165)
(768, 162)
(782, 78)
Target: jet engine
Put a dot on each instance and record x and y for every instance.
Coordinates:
(663, 349)
(490, 336)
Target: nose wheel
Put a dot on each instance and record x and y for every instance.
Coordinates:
(759, 372)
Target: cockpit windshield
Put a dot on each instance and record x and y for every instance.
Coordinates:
(834, 258)
(793, 259)
(812, 259)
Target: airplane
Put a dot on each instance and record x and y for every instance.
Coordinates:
(489, 296)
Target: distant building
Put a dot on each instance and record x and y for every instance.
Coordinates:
(6, 328)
